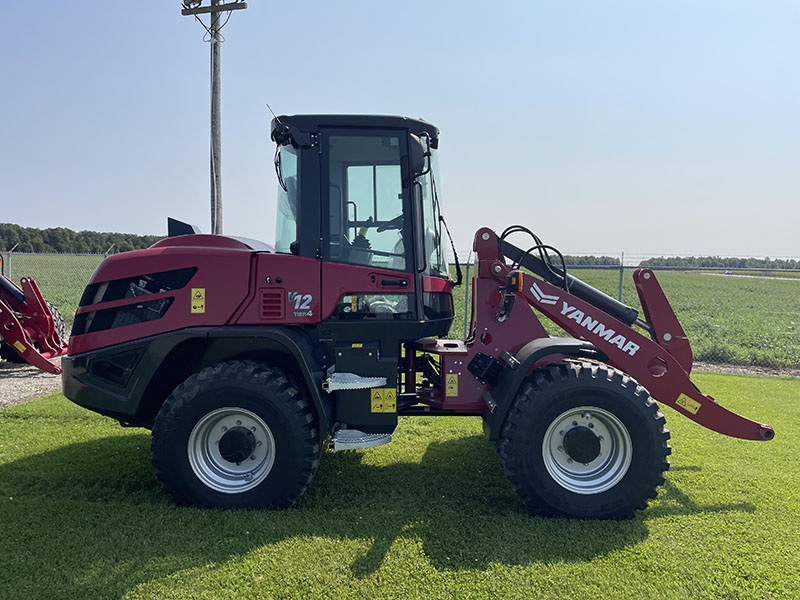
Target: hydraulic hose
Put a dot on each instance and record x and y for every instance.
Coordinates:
(584, 291)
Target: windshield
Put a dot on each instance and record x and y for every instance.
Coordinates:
(286, 224)
(435, 257)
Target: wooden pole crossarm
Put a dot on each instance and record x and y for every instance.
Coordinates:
(201, 10)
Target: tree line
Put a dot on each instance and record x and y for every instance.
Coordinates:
(67, 241)
(720, 262)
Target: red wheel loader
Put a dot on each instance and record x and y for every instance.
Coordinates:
(31, 329)
(245, 359)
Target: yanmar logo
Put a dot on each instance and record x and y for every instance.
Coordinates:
(541, 296)
(597, 328)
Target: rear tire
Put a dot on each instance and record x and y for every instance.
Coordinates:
(236, 435)
(584, 440)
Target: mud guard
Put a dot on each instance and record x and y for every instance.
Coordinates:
(500, 397)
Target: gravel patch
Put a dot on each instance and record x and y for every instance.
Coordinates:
(740, 370)
(22, 382)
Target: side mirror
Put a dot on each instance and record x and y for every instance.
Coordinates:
(419, 155)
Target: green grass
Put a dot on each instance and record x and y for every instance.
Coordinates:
(428, 516)
(727, 319)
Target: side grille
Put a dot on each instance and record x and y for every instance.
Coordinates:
(111, 318)
(141, 285)
(272, 307)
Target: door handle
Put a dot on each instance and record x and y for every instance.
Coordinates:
(395, 282)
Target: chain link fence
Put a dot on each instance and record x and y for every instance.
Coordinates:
(736, 316)
(740, 316)
(60, 277)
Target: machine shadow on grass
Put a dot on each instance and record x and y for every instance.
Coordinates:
(456, 501)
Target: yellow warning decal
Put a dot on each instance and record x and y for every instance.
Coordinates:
(357, 345)
(354, 303)
(451, 385)
(198, 300)
(688, 404)
(19, 346)
(383, 400)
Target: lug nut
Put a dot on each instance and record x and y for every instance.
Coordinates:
(224, 428)
(569, 460)
(258, 443)
(591, 425)
(253, 457)
(574, 423)
(238, 422)
(560, 448)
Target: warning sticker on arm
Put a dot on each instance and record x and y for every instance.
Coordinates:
(688, 404)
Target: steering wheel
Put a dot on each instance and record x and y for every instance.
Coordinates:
(396, 223)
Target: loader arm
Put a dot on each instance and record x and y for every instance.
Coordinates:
(662, 369)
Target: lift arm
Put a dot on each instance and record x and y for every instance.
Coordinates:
(661, 364)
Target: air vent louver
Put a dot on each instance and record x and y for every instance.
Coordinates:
(272, 304)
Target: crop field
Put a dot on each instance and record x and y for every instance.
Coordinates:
(428, 516)
(736, 320)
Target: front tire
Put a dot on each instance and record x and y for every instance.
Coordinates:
(236, 435)
(584, 440)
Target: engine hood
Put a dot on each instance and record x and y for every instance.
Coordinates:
(203, 240)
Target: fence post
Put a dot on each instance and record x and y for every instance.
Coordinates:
(621, 274)
(14, 247)
(466, 298)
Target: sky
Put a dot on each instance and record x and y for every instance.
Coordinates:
(644, 127)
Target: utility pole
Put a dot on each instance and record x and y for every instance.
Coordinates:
(194, 8)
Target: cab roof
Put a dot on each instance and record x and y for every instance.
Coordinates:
(312, 123)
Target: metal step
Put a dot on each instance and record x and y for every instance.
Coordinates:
(353, 439)
(351, 381)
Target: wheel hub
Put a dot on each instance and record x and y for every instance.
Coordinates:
(587, 450)
(581, 444)
(237, 444)
(231, 450)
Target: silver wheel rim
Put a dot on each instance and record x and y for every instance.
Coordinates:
(606, 469)
(224, 475)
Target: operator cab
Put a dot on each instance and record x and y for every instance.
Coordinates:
(362, 191)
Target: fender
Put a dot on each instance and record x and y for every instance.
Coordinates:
(129, 382)
(501, 396)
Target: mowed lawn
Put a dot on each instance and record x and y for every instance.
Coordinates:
(428, 516)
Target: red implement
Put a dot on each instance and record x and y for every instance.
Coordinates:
(29, 328)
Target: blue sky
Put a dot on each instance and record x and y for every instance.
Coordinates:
(644, 127)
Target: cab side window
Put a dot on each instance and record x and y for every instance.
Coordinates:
(365, 194)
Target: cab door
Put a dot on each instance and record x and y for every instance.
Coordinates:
(368, 268)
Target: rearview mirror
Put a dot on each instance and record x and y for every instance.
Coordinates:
(419, 154)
